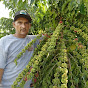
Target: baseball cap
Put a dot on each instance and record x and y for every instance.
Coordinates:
(24, 14)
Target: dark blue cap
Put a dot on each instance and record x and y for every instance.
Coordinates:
(24, 14)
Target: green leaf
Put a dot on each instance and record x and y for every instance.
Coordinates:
(82, 8)
(32, 1)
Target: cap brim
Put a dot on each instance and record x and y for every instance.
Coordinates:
(24, 16)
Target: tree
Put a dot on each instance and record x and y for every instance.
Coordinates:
(61, 58)
(6, 26)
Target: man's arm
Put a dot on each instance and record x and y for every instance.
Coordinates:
(1, 74)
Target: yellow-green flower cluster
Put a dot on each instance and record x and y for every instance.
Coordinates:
(61, 77)
(26, 48)
(36, 59)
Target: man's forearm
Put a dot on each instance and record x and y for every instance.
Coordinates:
(1, 74)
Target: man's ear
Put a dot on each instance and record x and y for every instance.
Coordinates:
(29, 25)
(13, 24)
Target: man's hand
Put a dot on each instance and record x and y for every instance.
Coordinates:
(46, 35)
(1, 74)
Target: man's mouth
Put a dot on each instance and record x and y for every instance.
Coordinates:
(23, 30)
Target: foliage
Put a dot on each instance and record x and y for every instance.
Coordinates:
(60, 60)
(6, 26)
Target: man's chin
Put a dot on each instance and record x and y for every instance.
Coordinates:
(24, 34)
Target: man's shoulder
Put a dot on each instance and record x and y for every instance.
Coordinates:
(31, 36)
(5, 37)
(4, 40)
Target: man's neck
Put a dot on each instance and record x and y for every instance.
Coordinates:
(19, 36)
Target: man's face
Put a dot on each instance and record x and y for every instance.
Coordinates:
(21, 26)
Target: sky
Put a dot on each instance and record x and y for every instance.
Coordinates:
(4, 12)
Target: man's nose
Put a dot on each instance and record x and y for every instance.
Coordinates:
(23, 25)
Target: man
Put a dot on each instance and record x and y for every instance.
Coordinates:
(11, 45)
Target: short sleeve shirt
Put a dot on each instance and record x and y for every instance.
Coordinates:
(10, 47)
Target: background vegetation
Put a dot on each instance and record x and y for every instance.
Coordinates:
(61, 59)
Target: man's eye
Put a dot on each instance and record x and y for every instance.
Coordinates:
(20, 22)
(27, 23)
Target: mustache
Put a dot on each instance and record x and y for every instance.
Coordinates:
(23, 29)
